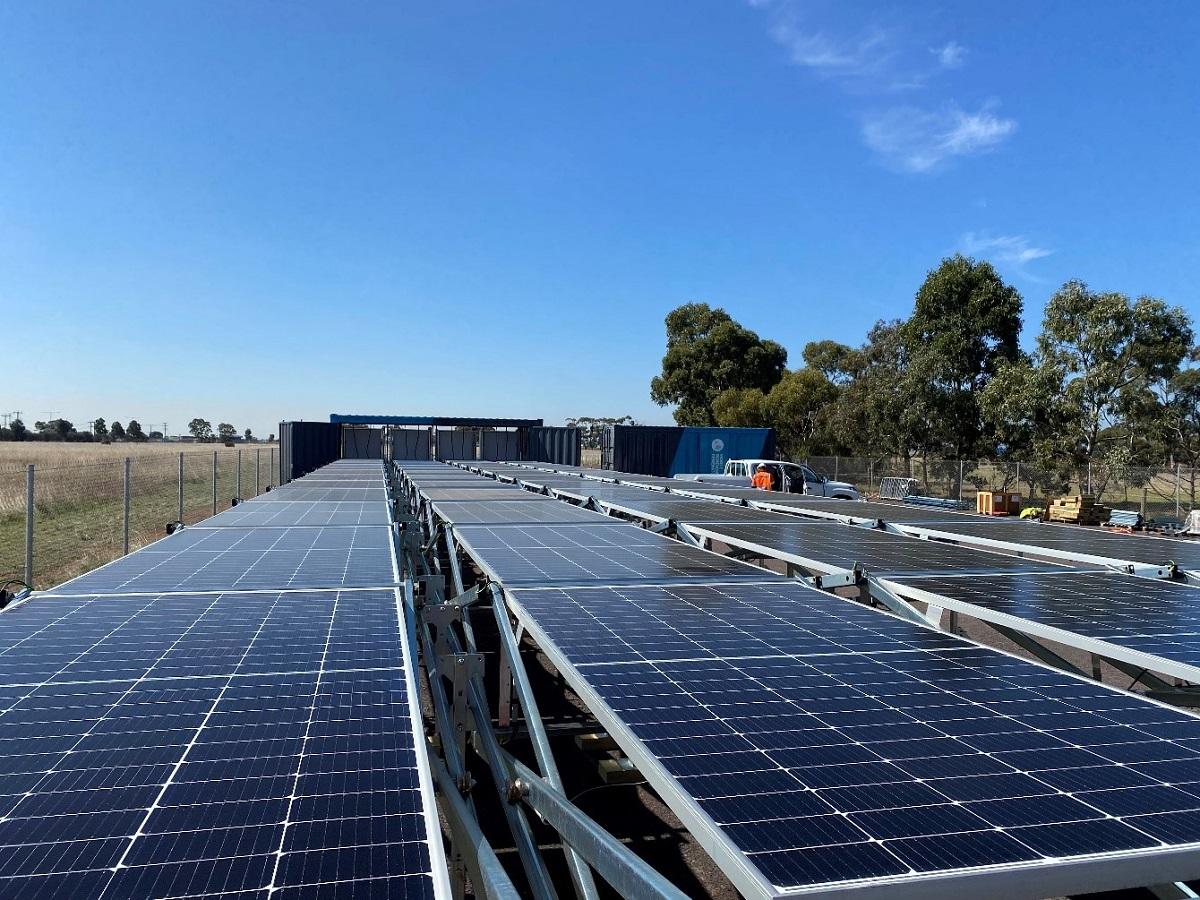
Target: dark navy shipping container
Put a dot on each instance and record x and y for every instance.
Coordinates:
(668, 450)
(305, 446)
(561, 446)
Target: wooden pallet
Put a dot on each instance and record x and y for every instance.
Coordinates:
(1080, 509)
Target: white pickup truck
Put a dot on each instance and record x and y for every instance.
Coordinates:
(786, 476)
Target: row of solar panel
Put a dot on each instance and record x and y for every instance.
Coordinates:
(1150, 623)
(814, 744)
(250, 739)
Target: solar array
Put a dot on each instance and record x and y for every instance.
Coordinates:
(296, 491)
(821, 744)
(834, 547)
(168, 733)
(816, 745)
(581, 554)
(490, 513)
(1149, 550)
(248, 559)
(292, 513)
(1148, 622)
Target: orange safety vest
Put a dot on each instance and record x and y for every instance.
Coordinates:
(761, 480)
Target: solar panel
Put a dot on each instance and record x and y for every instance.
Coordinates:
(684, 510)
(299, 513)
(214, 559)
(813, 744)
(188, 745)
(474, 492)
(889, 512)
(582, 490)
(1150, 622)
(297, 491)
(604, 554)
(549, 513)
(833, 547)
(1150, 550)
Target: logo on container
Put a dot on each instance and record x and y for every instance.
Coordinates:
(718, 445)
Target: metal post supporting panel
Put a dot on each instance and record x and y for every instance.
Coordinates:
(631, 876)
(486, 870)
(29, 526)
(180, 488)
(585, 887)
(125, 487)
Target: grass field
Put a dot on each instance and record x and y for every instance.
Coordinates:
(79, 498)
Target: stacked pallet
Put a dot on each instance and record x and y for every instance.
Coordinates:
(1081, 509)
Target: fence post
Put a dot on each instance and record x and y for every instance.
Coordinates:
(1089, 490)
(181, 488)
(1018, 490)
(960, 478)
(214, 482)
(126, 487)
(29, 526)
(257, 466)
(1176, 491)
(238, 491)
(273, 482)
(835, 467)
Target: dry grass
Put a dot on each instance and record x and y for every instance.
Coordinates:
(79, 498)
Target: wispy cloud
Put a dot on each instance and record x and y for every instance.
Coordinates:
(918, 140)
(832, 57)
(1014, 250)
(951, 55)
(872, 60)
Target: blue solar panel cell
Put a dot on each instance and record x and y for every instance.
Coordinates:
(192, 745)
(830, 745)
(248, 559)
(599, 554)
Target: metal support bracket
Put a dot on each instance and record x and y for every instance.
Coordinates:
(905, 610)
(832, 580)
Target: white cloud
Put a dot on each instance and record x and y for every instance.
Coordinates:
(918, 140)
(829, 56)
(951, 55)
(1014, 249)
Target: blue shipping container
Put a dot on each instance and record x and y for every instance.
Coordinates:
(668, 451)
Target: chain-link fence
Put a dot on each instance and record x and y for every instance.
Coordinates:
(59, 520)
(1161, 492)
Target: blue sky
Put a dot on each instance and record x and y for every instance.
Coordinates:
(260, 211)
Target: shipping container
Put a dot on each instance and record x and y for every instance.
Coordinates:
(498, 446)
(561, 446)
(305, 446)
(667, 450)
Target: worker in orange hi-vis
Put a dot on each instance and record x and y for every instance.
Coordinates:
(762, 478)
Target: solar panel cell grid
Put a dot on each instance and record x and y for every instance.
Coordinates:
(196, 745)
(1155, 617)
(298, 491)
(1135, 548)
(575, 554)
(550, 512)
(474, 492)
(832, 546)
(827, 743)
(227, 559)
(299, 513)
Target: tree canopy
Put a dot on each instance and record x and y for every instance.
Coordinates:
(1109, 380)
(707, 353)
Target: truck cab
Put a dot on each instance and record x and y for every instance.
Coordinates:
(785, 476)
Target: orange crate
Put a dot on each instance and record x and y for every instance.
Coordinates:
(997, 503)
